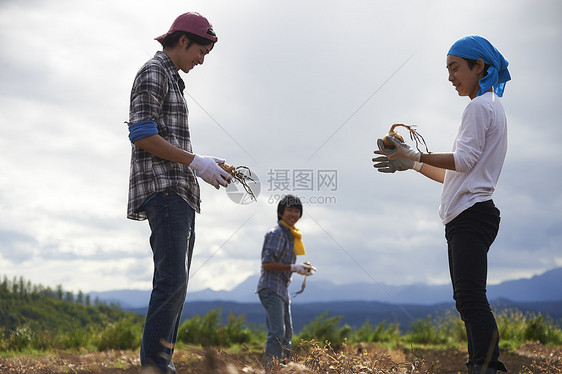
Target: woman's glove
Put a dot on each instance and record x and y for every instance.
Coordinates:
(384, 165)
(207, 167)
(400, 150)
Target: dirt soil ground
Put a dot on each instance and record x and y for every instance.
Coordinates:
(530, 358)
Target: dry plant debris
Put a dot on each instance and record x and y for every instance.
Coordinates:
(309, 357)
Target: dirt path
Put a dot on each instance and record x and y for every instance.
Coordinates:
(530, 358)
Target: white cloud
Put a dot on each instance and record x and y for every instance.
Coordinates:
(290, 85)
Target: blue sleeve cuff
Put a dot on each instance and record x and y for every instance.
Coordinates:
(141, 130)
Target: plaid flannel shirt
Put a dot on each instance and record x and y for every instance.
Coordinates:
(278, 246)
(157, 95)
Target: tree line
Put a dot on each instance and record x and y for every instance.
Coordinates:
(20, 288)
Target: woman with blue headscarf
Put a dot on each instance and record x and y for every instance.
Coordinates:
(469, 175)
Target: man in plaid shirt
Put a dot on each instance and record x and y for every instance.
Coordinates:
(162, 186)
(278, 258)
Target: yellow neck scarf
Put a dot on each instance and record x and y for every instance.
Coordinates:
(297, 236)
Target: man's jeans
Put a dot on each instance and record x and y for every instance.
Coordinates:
(279, 326)
(172, 222)
(469, 237)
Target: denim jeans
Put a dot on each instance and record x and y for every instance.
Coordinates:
(172, 223)
(279, 326)
(469, 237)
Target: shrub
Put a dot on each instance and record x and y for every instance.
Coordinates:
(74, 339)
(511, 326)
(383, 333)
(541, 328)
(201, 329)
(208, 330)
(517, 328)
(235, 331)
(457, 328)
(426, 331)
(325, 328)
(123, 334)
(17, 340)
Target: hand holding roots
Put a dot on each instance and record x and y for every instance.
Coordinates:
(309, 272)
(414, 135)
(242, 178)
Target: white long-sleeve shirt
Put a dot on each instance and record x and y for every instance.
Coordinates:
(479, 151)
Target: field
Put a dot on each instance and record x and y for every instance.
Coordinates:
(50, 331)
(307, 359)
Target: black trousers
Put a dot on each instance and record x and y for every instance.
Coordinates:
(469, 237)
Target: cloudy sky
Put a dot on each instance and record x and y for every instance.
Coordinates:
(293, 89)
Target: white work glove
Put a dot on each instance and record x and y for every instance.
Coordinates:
(303, 269)
(207, 167)
(384, 165)
(400, 150)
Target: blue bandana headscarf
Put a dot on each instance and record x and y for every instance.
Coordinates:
(474, 47)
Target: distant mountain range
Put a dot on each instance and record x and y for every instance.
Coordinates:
(358, 303)
(546, 287)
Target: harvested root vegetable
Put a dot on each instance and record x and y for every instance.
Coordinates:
(393, 134)
(228, 168)
(243, 178)
(414, 135)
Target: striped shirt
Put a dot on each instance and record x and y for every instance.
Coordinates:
(278, 246)
(157, 95)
